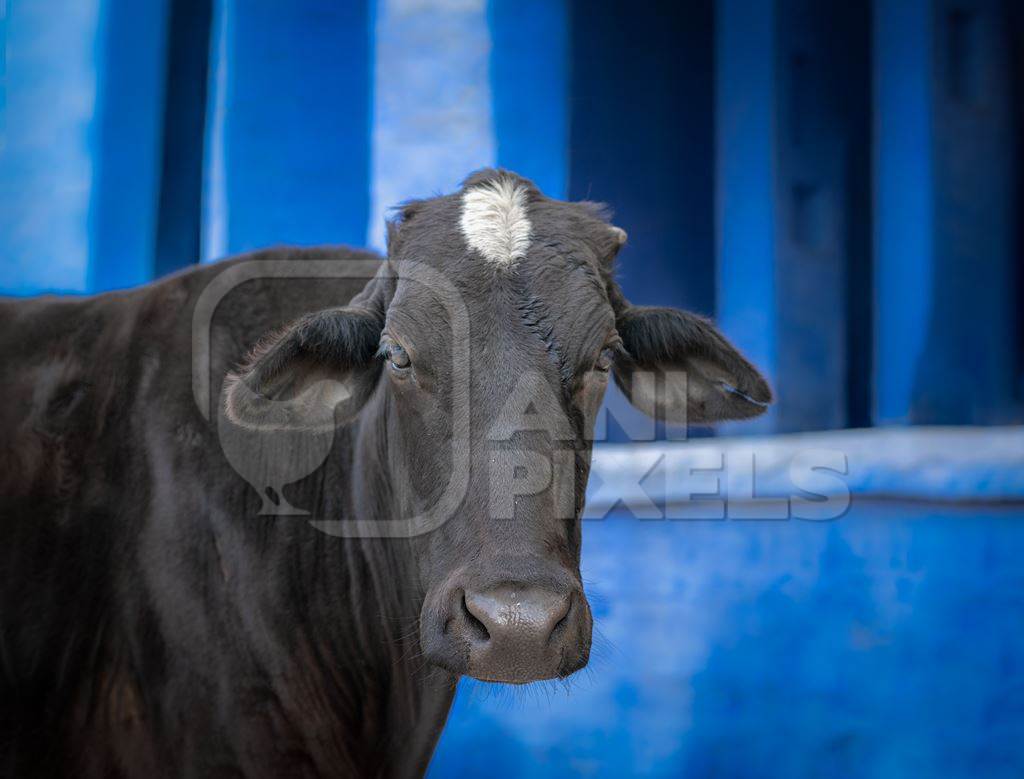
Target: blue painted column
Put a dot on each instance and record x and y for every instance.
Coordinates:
(794, 202)
(746, 217)
(288, 125)
(127, 138)
(945, 308)
(823, 201)
(641, 105)
(642, 140)
(181, 179)
(530, 89)
(45, 154)
(464, 85)
(433, 116)
(904, 228)
(80, 144)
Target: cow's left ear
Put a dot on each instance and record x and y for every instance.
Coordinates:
(319, 370)
(680, 368)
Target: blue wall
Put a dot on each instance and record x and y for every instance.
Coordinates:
(884, 644)
(839, 185)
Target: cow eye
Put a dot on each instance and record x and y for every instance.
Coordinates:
(605, 360)
(398, 358)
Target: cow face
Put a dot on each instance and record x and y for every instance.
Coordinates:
(547, 328)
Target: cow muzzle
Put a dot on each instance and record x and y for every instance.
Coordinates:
(513, 633)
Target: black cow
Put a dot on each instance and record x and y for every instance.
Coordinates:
(166, 610)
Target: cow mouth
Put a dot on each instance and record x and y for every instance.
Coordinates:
(522, 670)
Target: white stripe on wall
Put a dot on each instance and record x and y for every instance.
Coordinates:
(432, 116)
(214, 239)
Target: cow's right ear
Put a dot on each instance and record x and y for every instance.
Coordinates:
(317, 372)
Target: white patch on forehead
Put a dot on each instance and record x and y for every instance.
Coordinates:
(494, 221)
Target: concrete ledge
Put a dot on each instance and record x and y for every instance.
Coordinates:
(924, 463)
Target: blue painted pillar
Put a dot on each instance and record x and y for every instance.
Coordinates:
(642, 140)
(127, 137)
(823, 201)
(641, 132)
(904, 227)
(432, 117)
(745, 199)
(45, 167)
(179, 226)
(530, 89)
(288, 125)
(460, 86)
(79, 143)
(945, 227)
(794, 200)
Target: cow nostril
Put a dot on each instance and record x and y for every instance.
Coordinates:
(513, 632)
(564, 620)
(477, 629)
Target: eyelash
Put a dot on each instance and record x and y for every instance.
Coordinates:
(389, 349)
(610, 349)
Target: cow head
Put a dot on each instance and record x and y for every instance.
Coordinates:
(548, 327)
